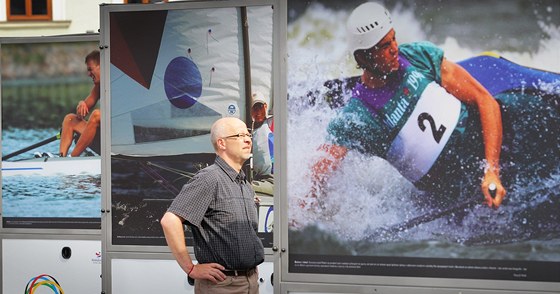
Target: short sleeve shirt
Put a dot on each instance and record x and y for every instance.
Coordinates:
(218, 205)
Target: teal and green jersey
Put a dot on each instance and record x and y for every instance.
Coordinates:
(412, 121)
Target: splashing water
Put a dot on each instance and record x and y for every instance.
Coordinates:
(358, 201)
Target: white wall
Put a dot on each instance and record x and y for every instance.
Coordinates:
(69, 17)
(148, 276)
(24, 259)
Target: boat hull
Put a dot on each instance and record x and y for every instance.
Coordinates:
(55, 166)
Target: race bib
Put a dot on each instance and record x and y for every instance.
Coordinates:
(425, 133)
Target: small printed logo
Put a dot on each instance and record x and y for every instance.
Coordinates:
(97, 258)
(44, 281)
(406, 91)
(231, 109)
(269, 220)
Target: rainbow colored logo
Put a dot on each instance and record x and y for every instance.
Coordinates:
(43, 280)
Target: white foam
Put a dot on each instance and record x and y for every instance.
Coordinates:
(357, 199)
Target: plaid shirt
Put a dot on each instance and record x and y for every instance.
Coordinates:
(218, 205)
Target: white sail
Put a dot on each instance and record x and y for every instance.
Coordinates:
(198, 77)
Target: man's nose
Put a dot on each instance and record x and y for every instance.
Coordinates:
(394, 46)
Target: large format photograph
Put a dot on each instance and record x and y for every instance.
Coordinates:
(423, 138)
(51, 166)
(189, 68)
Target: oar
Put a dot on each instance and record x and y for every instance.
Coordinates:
(44, 142)
(428, 217)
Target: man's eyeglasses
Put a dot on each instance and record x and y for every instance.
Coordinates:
(246, 135)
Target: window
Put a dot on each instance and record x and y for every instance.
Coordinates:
(143, 1)
(29, 9)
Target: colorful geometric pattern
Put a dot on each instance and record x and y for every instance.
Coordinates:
(135, 40)
(43, 280)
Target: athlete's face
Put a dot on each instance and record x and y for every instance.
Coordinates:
(258, 112)
(381, 59)
(93, 70)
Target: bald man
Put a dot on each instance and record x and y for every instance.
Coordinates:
(218, 205)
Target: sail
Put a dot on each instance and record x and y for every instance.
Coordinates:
(165, 98)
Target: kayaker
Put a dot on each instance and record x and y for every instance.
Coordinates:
(88, 129)
(416, 109)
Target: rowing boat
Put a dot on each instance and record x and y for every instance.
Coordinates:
(53, 166)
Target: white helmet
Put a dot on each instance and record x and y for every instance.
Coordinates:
(367, 25)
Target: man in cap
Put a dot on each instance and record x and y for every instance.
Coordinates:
(263, 145)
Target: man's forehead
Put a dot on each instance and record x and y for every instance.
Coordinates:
(238, 125)
(390, 35)
(91, 63)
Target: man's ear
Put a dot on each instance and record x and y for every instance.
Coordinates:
(221, 144)
(360, 58)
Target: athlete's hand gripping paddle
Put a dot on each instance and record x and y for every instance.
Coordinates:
(492, 189)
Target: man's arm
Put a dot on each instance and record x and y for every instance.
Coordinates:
(321, 171)
(172, 226)
(82, 110)
(458, 82)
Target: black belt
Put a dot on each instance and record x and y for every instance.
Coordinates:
(236, 273)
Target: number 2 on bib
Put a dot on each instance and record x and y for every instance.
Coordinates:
(436, 133)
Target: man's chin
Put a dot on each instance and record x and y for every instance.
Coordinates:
(387, 71)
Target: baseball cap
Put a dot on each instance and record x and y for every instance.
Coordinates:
(257, 97)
